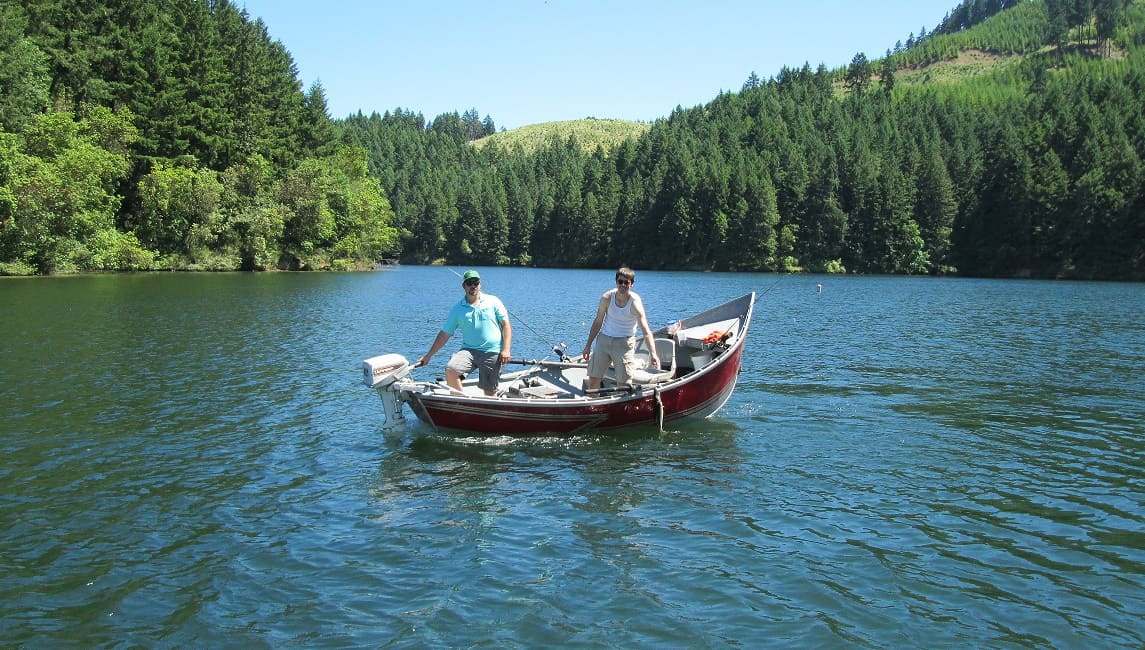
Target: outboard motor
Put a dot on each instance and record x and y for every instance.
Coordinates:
(381, 373)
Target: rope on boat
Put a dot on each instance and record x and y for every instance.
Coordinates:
(659, 408)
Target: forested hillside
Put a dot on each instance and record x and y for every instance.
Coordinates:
(1025, 162)
(170, 134)
(174, 134)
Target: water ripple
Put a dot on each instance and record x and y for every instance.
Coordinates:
(904, 463)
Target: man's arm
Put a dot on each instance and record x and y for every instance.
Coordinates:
(442, 337)
(601, 310)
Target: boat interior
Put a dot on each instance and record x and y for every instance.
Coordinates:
(682, 351)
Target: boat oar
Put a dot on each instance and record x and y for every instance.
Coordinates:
(548, 364)
(523, 362)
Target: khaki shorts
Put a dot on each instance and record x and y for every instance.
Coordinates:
(619, 351)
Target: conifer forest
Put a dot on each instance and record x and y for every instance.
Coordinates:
(1009, 141)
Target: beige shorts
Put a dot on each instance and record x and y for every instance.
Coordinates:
(617, 350)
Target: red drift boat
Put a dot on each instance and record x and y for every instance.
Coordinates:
(699, 359)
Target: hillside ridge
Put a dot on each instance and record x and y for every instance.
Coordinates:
(590, 133)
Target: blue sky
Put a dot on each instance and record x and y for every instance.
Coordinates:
(530, 61)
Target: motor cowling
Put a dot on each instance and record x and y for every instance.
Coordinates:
(383, 370)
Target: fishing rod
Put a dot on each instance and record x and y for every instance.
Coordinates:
(559, 348)
(773, 285)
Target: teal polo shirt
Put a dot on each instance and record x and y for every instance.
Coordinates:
(480, 324)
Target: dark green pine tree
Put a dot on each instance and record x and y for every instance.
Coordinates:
(24, 70)
(203, 121)
(935, 206)
(824, 228)
(60, 29)
(1109, 15)
(858, 77)
(676, 206)
(753, 217)
(859, 173)
(319, 134)
(887, 75)
(1104, 197)
(601, 204)
(521, 208)
(995, 238)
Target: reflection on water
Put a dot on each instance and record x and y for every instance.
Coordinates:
(191, 461)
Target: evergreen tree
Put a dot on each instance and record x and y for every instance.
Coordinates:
(858, 77)
(935, 205)
(887, 76)
(24, 71)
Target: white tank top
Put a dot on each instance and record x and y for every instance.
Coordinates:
(619, 321)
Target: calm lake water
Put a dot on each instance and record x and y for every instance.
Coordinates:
(191, 461)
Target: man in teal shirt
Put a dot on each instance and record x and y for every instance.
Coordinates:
(486, 337)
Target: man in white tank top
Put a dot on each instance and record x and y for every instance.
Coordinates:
(614, 330)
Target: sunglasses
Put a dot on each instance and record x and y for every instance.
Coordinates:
(472, 283)
(624, 282)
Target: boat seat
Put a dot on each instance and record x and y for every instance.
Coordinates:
(705, 337)
(666, 350)
(546, 391)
